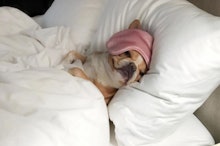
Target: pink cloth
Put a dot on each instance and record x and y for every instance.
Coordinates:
(131, 39)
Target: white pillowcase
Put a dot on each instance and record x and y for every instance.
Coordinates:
(185, 67)
(191, 132)
(79, 15)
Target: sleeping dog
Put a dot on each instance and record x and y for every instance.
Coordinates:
(125, 62)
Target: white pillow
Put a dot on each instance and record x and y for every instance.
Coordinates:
(80, 15)
(191, 132)
(185, 67)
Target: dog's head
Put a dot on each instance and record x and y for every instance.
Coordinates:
(130, 65)
(129, 53)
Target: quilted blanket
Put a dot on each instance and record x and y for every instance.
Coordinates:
(40, 103)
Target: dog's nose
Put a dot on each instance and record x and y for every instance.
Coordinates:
(131, 68)
(128, 70)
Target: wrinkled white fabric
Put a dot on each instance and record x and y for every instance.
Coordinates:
(40, 103)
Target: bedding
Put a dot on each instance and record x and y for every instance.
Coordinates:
(79, 15)
(191, 132)
(184, 68)
(41, 104)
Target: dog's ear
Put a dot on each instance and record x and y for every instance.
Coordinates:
(135, 24)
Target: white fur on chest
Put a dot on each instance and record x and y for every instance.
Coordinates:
(97, 68)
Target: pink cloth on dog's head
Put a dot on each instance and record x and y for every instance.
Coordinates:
(131, 39)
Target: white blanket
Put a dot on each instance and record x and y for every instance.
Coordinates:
(40, 103)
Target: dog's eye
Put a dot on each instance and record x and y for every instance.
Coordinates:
(128, 54)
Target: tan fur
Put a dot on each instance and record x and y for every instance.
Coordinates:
(135, 25)
(78, 73)
(108, 92)
(103, 69)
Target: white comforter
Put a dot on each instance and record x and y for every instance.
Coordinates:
(40, 103)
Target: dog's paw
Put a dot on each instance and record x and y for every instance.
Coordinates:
(76, 64)
(78, 72)
(70, 58)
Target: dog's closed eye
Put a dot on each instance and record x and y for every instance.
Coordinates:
(127, 53)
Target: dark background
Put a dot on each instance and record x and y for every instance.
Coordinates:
(30, 7)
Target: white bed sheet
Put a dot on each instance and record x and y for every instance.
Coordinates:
(40, 103)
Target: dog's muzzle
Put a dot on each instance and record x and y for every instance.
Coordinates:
(127, 71)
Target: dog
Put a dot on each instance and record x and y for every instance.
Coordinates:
(125, 62)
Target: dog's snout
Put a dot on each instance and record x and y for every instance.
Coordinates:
(131, 68)
(128, 70)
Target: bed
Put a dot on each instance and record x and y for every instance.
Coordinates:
(41, 104)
